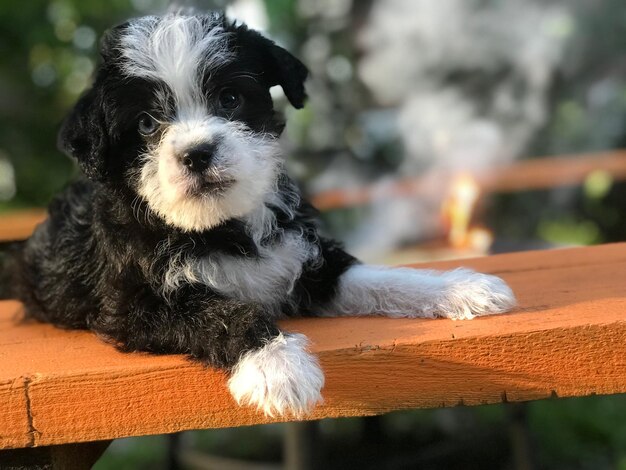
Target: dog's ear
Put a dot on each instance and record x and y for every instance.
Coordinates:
(279, 66)
(84, 137)
(84, 134)
(288, 72)
(110, 42)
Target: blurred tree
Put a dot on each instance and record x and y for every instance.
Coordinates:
(48, 50)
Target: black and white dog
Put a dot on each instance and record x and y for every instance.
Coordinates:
(188, 237)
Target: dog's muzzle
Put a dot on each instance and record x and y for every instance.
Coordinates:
(199, 158)
(200, 164)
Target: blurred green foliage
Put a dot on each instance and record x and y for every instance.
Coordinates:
(576, 433)
(48, 49)
(145, 453)
(580, 433)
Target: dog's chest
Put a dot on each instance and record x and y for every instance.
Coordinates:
(268, 278)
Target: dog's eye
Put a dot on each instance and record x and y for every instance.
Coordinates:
(147, 125)
(230, 98)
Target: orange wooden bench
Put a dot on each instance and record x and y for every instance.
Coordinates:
(567, 338)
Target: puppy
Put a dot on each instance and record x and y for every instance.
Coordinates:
(187, 236)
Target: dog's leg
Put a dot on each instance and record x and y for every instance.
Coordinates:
(406, 292)
(278, 378)
(269, 369)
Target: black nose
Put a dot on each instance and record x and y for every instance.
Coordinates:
(198, 158)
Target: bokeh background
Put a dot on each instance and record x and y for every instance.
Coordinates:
(421, 140)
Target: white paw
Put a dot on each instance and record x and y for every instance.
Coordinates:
(280, 378)
(468, 294)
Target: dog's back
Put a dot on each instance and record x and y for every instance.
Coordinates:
(42, 272)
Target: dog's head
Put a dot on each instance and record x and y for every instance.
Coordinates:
(180, 112)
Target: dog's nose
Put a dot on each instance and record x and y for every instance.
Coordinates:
(198, 158)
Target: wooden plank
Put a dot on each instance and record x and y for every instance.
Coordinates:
(567, 338)
(15, 430)
(525, 175)
(19, 225)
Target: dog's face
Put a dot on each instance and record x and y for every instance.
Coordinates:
(180, 112)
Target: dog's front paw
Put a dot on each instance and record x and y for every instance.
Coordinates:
(468, 294)
(280, 378)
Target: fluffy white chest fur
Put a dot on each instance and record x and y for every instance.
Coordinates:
(268, 278)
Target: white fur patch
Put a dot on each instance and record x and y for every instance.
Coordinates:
(406, 292)
(280, 378)
(268, 279)
(176, 50)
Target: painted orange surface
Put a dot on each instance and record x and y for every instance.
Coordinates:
(19, 225)
(567, 338)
